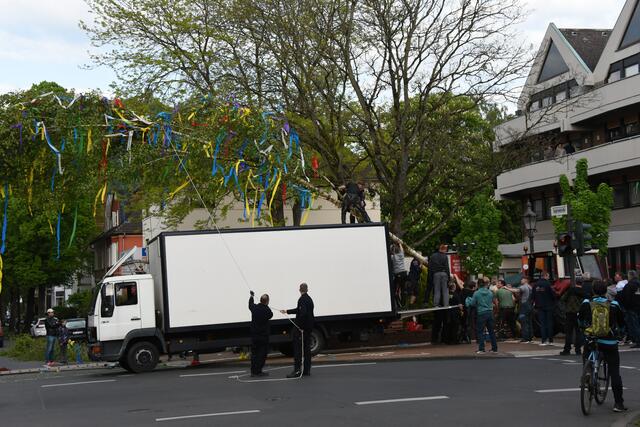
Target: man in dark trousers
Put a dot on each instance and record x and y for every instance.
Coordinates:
(260, 315)
(302, 333)
(439, 272)
(353, 199)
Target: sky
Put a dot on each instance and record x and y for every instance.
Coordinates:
(40, 39)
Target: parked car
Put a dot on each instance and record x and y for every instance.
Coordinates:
(77, 329)
(38, 329)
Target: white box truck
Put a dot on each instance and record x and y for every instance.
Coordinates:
(195, 298)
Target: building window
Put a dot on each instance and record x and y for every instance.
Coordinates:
(614, 76)
(561, 96)
(549, 202)
(619, 196)
(632, 129)
(634, 193)
(632, 33)
(553, 65)
(538, 208)
(535, 106)
(547, 101)
(614, 130)
(631, 70)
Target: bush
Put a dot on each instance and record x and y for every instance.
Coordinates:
(27, 348)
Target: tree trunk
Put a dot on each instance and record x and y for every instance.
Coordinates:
(29, 310)
(41, 305)
(297, 213)
(15, 310)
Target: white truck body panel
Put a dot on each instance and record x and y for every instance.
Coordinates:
(206, 276)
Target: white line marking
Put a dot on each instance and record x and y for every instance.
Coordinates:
(338, 365)
(184, 417)
(562, 390)
(408, 399)
(212, 373)
(78, 383)
(627, 367)
(557, 390)
(573, 363)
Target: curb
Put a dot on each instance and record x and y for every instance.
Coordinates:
(83, 367)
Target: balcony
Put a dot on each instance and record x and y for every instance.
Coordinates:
(603, 158)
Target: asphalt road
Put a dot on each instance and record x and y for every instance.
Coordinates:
(478, 392)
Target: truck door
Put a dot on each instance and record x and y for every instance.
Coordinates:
(119, 310)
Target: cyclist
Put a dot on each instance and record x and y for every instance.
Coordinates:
(607, 341)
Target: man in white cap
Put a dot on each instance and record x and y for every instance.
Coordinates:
(51, 324)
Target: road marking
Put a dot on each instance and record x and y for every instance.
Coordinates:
(216, 414)
(562, 390)
(557, 390)
(212, 373)
(627, 367)
(338, 365)
(408, 399)
(77, 383)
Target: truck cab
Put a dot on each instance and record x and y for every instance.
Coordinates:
(122, 314)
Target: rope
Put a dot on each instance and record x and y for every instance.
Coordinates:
(235, 262)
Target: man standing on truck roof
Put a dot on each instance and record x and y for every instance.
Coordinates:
(302, 333)
(439, 271)
(260, 315)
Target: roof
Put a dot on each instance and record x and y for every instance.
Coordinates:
(131, 226)
(587, 42)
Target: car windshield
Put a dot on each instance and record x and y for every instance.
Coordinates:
(76, 324)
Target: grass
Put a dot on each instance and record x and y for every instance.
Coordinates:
(26, 348)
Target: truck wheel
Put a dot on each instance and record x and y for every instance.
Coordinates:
(124, 365)
(142, 357)
(317, 342)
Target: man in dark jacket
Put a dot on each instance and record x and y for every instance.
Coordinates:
(302, 333)
(260, 315)
(572, 299)
(51, 324)
(630, 300)
(439, 272)
(544, 300)
(608, 345)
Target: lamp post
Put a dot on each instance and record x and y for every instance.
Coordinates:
(530, 219)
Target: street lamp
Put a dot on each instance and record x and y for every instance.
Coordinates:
(530, 219)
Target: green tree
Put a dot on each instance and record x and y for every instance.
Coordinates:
(480, 235)
(374, 88)
(587, 206)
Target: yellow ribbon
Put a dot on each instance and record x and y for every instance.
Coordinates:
(273, 195)
(50, 227)
(306, 214)
(101, 192)
(174, 192)
(89, 142)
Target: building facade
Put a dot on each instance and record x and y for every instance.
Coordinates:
(581, 100)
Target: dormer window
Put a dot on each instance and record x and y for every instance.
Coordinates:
(632, 33)
(553, 64)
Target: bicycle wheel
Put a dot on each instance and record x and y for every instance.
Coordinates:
(603, 383)
(586, 388)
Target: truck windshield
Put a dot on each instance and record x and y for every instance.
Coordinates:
(589, 264)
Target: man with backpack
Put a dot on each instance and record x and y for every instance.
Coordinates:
(602, 319)
(572, 300)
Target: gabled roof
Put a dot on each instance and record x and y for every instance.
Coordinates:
(588, 43)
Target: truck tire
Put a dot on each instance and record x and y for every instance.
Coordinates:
(317, 341)
(142, 356)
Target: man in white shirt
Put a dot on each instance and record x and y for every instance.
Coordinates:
(620, 281)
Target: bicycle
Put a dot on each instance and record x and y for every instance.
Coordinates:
(594, 382)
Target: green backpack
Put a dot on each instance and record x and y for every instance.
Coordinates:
(599, 319)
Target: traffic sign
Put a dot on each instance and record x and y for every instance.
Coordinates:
(560, 210)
